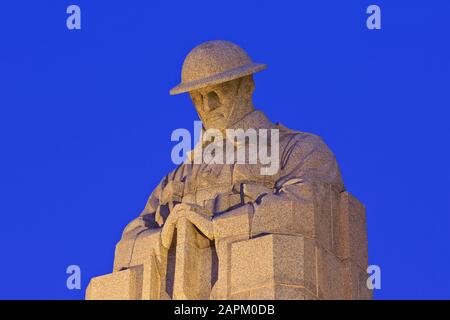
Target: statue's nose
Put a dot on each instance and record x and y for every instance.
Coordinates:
(211, 101)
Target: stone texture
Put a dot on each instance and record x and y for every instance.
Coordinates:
(227, 231)
(273, 259)
(192, 265)
(329, 275)
(233, 224)
(122, 285)
(351, 239)
(151, 280)
(354, 282)
(312, 215)
(275, 292)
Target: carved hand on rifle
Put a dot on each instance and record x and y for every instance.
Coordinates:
(197, 215)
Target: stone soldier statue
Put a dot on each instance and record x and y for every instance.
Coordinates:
(226, 231)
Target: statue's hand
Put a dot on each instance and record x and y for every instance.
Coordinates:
(197, 215)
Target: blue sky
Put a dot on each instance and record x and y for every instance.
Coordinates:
(86, 119)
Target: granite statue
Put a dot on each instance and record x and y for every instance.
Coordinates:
(226, 231)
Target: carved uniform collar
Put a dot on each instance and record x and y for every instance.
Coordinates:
(256, 120)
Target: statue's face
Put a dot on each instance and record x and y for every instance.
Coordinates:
(220, 106)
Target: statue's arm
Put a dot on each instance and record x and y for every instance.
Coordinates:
(147, 218)
(308, 172)
(307, 167)
(146, 221)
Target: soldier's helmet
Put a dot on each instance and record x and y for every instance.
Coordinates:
(214, 62)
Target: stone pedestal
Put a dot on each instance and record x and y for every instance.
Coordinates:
(122, 285)
(327, 261)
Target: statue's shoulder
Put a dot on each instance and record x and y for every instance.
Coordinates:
(290, 138)
(304, 152)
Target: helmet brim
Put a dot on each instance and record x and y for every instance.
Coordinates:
(229, 75)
